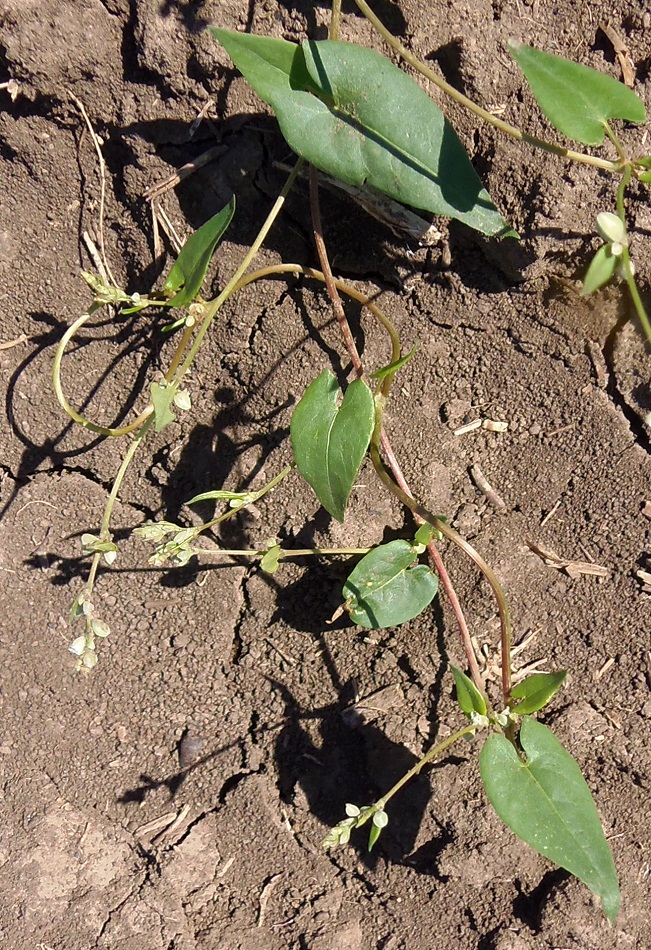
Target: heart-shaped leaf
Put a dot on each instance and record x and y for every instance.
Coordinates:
(548, 804)
(577, 100)
(353, 114)
(535, 692)
(329, 442)
(188, 271)
(385, 590)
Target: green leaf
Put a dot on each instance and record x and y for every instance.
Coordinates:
(577, 100)
(380, 821)
(329, 443)
(188, 271)
(601, 269)
(645, 177)
(353, 114)
(548, 804)
(269, 562)
(161, 399)
(468, 696)
(392, 368)
(424, 534)
(535, 692)
(384, 590)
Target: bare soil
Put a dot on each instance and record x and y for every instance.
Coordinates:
(246, 662)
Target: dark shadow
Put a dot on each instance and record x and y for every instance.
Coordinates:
(529, 907)
(171, 782)
(448, 58)
(349, 765)
(129, 333)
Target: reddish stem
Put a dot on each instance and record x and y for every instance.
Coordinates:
(386, 445)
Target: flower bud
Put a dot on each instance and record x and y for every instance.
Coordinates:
(611, 227)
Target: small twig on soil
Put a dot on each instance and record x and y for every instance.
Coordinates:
(102, 178)
(572, 568)
(486, 489)
(11, 343)
(264, 897)
(200, 117)
(94, 256)
(621, 51)
(162, 187)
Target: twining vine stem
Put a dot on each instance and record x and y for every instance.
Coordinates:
(400, 483)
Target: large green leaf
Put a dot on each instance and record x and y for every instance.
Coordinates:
(577, 100)
(329, 442)
(385, 590)
(353, 114)
(548, 804)
(188, 271)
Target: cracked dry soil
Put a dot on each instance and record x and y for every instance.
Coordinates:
(89, 765)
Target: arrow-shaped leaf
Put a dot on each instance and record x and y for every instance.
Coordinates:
(535, 692)
(386, 588)
(188, 271)
(329, 442)
(350, 112)
(548, 804)
(577, 100)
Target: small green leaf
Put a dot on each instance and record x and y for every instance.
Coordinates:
(384, 590)
(329, 443)
(162, 397)
(468, 696)
(535, 692)
(645, 177)
(601, 270)
(548, 804)
(269, 562)
(392, 368)
(353, 114)
(577, 100)
(424, 534)
(188, 271)
(99, 628)
(380, 821)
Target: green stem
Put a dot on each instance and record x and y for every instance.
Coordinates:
(627, 269)
(104, 534)
(380, 804)
(285, 552)
(335, 20)
(215, 305)
(473, 107)
(255, 496)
